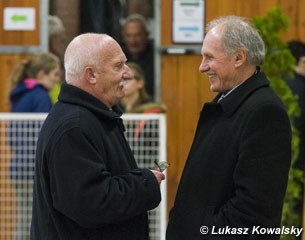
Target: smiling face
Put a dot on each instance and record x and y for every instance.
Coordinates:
(111, 75)
(219, 67)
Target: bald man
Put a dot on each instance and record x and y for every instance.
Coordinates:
(87, 183)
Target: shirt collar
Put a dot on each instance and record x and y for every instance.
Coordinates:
(240, 93)
(223, 95)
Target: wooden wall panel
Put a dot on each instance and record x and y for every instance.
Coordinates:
(223, 6)
(185, 91)
(14, 38)
(24, 38)
(300, 23)
(7, 62)
(166, 20)
(290, 9)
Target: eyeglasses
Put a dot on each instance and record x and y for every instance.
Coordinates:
(161, 166)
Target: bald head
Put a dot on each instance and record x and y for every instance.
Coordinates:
(85, 50)
(96, 64)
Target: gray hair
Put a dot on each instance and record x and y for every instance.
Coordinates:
(239, 33)
(84, 50)
(137, 18)
(55, 26)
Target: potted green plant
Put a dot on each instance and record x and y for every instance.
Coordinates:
(278, 66)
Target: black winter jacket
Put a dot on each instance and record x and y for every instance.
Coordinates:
(87, 183)
(235, 177)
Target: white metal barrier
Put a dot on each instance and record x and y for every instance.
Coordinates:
(146, 134)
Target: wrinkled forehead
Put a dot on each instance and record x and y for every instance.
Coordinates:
(112, 52)
(213, 38)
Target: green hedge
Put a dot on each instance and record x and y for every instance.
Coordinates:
(278, 66)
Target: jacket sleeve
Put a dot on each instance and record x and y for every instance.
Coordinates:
(261, 173)
(84, 191)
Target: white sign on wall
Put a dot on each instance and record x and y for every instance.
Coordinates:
(188, 21)
(19, 18)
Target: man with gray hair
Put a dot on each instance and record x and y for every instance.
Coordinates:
(139, 48)
(234, 181)
(87, 183)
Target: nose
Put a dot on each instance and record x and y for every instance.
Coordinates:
(203, 67)
(128, 74)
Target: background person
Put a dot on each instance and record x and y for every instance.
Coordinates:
(237, 169)
(136, 99)
(33, 79)
(138, 48)
(87, 183)
(146, 9)
(57, 37)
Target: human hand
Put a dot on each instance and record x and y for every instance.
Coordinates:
(158, 175)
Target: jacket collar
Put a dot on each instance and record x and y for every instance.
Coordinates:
(240, 94)
(74, 95)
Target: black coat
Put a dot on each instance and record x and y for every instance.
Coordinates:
(237, 169)
(87, 184)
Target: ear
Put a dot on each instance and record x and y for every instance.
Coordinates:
(89, 75)
(240, 57)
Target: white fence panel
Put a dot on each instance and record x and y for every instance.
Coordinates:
(146, 134)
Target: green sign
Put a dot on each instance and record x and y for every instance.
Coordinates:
(190, 4)
(19, 18)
